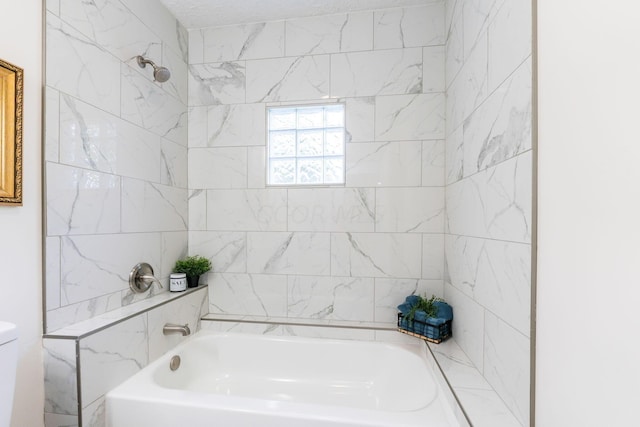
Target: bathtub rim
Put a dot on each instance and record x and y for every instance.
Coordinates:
(444, 393)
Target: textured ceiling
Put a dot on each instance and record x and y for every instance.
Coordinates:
(211, 13)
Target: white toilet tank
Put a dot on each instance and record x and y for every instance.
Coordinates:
(8, 365)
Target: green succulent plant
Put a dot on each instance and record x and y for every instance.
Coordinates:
(426, 305)
(192, 265)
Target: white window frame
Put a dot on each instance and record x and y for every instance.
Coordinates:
(296, 157)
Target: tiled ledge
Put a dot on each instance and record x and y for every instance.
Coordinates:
(300, 321)
(110, 318)
(480, 402)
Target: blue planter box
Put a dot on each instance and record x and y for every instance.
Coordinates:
(433, 329)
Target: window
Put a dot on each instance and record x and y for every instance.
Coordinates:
(306, 145)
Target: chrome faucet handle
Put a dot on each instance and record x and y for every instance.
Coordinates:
(141, 278)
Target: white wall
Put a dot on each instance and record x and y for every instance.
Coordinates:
(20, 229)
(589, 214)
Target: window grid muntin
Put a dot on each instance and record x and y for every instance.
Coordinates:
(330, 112)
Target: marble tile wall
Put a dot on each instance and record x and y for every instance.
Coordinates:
(81, 368)
(351, 253)
(488, 190)
(116, 152)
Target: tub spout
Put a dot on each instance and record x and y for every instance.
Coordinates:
(171, 328)
(152, 279)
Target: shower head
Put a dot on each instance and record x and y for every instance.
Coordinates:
(160, 74)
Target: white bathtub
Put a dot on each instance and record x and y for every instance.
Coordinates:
(238, 380)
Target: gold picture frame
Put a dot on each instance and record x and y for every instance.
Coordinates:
(11, 94)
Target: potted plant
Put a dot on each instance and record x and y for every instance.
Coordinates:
(428, 318)
(193, 267)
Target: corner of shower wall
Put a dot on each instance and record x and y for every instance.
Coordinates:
(115, 153)
(488, 190)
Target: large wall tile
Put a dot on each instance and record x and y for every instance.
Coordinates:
(236, 125)
(390, 164)
(246, 41)
(197, 126)
(375, 255)
(173, 164)
(149, 106)
(53, 6)
(79, 67)
(433, 260)
(97, 265)
(506, 365)
(217, 83)
(468, 324)
(335, 298)
(360, 116)
(60, 379)
(329, 34)
(153, 207)
(510, 40)
(495, 203)
(288, 79)
(226, 250)
(177, 85)
(224, 167)
(162, 23)
(477, 15)
(433, 69)
(496, 274)
(454, 50)
(454, 163)
(174, 247)
(288, 253)
(111, 356)
(112, 26)
(324, 209)
(247, 210)
(94, 139)
(433, 163)
(414, 26)
(501, 127)
(410, 117)
(256, 167)
(71, 313)
(196, 46)
(197, 210)
(81, 201)
(399, 72)
(243, 294)
(410, 210)
(469, 87)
